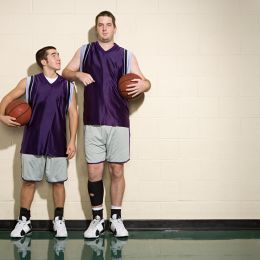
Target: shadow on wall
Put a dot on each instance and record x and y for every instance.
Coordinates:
(33, 69)
(11, 136)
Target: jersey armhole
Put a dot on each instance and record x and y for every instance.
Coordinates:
(84, 50)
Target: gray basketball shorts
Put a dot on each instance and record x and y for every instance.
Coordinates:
(34, 167)
(107, 143)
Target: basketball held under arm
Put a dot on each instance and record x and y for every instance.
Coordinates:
(144, 83)
(17, 92)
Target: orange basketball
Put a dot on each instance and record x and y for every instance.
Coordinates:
(124, 81)
(20, 110)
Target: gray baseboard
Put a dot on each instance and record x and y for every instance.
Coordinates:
(182, 225)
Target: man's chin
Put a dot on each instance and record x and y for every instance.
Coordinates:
(105, 40)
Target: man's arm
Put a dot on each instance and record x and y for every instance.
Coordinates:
(17, 92)
(139, 85)
(73, 126)
(72, 71)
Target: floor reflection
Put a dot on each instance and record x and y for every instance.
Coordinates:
(197, 245)
(26, 248)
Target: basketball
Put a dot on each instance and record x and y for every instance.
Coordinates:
(124, 81)
(19, 109)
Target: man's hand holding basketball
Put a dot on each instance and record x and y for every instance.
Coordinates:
(9, 121)
(137, 87)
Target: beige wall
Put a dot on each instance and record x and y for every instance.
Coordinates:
(195, 144)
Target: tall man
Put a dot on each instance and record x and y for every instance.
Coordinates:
(98, 66)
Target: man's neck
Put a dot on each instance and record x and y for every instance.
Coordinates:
(106, 45)
(50, 73)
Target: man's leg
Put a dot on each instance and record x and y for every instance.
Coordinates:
(56, 174)
(58, 194)
(23, 226)
(58, 191)
(117, 192)
(27, 194)
(96, 188)
(96, 193)
(26, 198)
(59, 226)
(117, 188)
(32, 172)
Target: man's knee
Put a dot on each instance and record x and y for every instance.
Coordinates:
(58, 185)
(116, 170)
(29, 184)
(95, 172)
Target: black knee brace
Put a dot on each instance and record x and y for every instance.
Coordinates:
(96, 192)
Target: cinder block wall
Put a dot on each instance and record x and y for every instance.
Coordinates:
(195, 140)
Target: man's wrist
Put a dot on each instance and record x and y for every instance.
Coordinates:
(1, 118)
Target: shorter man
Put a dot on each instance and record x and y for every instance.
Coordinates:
(44, 147)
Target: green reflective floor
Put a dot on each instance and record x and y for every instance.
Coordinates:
(141, 245)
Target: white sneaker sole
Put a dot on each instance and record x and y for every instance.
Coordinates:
(25, 235)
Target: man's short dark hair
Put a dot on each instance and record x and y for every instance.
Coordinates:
(106, 13)
(42, 54)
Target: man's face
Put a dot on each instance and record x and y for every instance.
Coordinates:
(105, 29)
(52, 59)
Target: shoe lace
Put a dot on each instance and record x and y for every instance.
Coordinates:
(20, 223)
(119, 224)
(95, 222)
(60, 222)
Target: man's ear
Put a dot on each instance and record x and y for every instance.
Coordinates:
(43, 62)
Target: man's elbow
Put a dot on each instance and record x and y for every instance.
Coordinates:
(64, 73)
(148, 86)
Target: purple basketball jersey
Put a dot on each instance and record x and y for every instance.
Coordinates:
(103, 104)
(45, 134)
